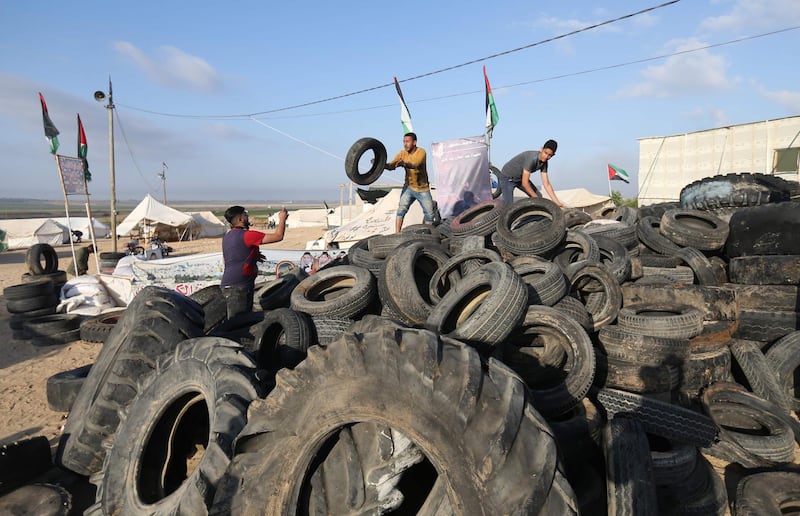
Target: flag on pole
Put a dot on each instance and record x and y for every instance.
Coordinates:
(617, 173)
(50, 130)
(405, 116)
(491, 110)
(83, 150)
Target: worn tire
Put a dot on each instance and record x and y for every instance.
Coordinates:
(282, 338)
(37, 499)
(765, 230)
(715, 303)
(31, 304)
(765, 270)
(56, 339)
(381, 246)
(194, 402)
(22, 461)
(63, 388)
(704, 369)
(278, 292)
(638, 348)
(661, 320)
(766, 325)
(614, 256)
(577, 246)
(597, 288)
(483, 308)
(480, 219)
(648, 232)
(629, 469)
(784, 357)
(34, 256)
(545, 281)
(153, 324)
(758, 372)
(455, 268)
(354, 154)
(517, 233)
(389, 376)
(33, 288)
(344, 291)
(51, 324)
(98, 328)
(694, 228)
(731, 191)
(767, 494)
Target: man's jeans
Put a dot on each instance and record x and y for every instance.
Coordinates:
(238, 299)
(407, 196)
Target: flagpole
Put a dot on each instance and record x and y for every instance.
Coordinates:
(91, 222)
(66, 211)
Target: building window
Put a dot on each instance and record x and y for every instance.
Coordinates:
(786, 160)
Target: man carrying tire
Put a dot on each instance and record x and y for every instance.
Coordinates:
(416, 186)
(240, 254)
(517, 173)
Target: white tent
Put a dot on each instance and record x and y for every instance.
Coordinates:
(23, 233)
(305, 218)
(155, 218)
(205, 224)
(82, 224)
(580, 198)
(380, 220)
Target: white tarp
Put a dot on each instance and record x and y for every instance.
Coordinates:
(151, 213)
(580, 198)
(82, 224)
(24, 233)
(305, 218)
(462, 174)
(378, 221)
(205, 224)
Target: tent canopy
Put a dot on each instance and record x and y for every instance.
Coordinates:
(155, 216)
(205, 224)
(82, 224)
(580, 198)
(23, 233)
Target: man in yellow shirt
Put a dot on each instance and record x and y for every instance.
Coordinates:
(416, 186)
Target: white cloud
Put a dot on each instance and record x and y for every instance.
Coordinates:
(755, 14)
(686, 74)
(785, 98)
(172, 67)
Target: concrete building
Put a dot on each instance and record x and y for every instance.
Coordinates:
(668, 163)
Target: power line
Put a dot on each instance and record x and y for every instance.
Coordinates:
(130, 151)
(421, 76)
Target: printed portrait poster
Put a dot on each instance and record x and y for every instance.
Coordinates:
(72, 171)
(462, 174)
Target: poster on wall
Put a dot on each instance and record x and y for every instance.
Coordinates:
(462, 174)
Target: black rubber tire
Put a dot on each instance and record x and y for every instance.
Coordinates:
(780, 298)
(483, 308)
(545, 281)
(670, 321)
(354, 155)
(98, 328)
(52, 324)
(694, 228)
(579, 431)
(766, 326)
(732, 191)
(637, 348)
(715, 303)
(760, 376)
(328, 329)
(360, 255)
(767, 494)
(703, 270)
(631, 377)
(765, 230)
(111, 256)
(153, 324)
(56, 339)
(31, 304)
(784, 357)
(657, 210)
(629, 469)
(574, 217)
(494, 171)
(383, 245)
(480, 219)
(543, 327)
(17, 321)
(573, 308)
(701, 492)
(37, 499)
(650, 259)
(34, 256)
(517, 234)
(278, 292)
(614, 256)
(282, 339)
(659, 418)
(715, 334)
(455, 268)
(63, 388)
(239, 328)
(680, 275)
(761, 433)
(627, 214)
(672, 462)
(623, 233)
(344, 291)
(577, 246)
(648, 231)
(704, 369)
(22, 461)
(215, 306)
(765, 270)
(405, 280)
(58, 278)
(194, 402)
(597, 288)
(427, 387)
(34, 288)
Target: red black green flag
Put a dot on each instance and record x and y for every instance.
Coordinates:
(50, 130)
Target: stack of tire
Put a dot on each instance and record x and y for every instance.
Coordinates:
(33, 302)
(108, 261)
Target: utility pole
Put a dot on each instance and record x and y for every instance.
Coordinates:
(163, 176)
(99, 96)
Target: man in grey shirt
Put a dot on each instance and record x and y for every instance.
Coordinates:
(517, 173)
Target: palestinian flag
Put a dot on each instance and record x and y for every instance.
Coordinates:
(405, 116)
(491, 110)
(617, 173)
(50, 130)
(83, 149)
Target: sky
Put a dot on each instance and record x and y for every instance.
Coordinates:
(228, 70)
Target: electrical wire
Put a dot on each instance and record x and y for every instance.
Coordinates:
(423, 75)
(130, 151)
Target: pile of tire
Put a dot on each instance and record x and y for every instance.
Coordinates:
(32, 303)
(514, 359)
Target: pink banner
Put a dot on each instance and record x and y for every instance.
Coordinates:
(462, 174)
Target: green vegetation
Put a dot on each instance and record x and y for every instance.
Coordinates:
(618, 200)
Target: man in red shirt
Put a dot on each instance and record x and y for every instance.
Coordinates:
(241, 255)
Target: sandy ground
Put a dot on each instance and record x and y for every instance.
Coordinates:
(24, 368)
